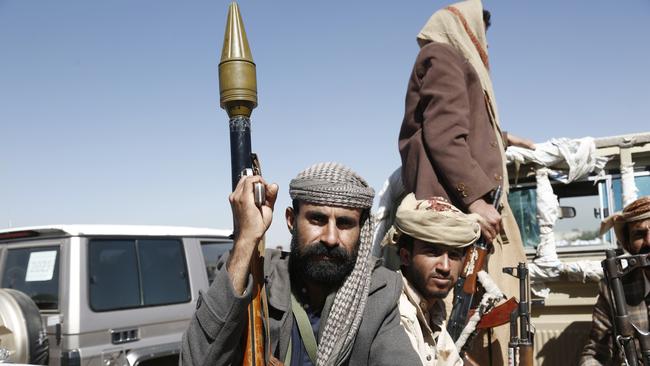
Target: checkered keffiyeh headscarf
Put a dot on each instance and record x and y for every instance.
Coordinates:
(333, 184)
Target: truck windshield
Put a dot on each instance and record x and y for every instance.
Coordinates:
(591, 203)
(34, 271)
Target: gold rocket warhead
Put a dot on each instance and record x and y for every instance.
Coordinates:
(237, 79)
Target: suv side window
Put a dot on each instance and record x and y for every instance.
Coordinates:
(34, 271)
(163, 272)
(113, 269)
(212, 252)
(128, 273)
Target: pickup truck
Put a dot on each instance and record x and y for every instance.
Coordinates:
(563, 301)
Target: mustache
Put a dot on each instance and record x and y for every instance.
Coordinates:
(318, 249)
(440, 276)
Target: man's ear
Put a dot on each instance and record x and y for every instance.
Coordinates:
(404, 257)
(290, 216)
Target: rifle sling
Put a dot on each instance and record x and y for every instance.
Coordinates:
(305, 329)
(287, 358)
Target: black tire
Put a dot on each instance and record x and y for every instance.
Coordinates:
(38, 345)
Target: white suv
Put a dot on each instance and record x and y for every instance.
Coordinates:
(108, 294)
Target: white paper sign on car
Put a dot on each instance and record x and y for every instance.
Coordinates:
(41, 266)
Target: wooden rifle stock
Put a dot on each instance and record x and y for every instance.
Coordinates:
(500, 315)
(257, 339)
(474, 261)
(254, 339)
(526, 354)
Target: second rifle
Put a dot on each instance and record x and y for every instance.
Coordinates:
(615, 267)
(466, 286)
(520, 348)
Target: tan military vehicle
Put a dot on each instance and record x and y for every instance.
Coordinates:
(565, 287)
(102, 295)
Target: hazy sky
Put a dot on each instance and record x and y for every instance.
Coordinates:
(109, 110)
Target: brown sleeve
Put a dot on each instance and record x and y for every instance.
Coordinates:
(446, 123)
(598, 350)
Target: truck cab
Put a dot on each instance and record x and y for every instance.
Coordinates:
(562, 313)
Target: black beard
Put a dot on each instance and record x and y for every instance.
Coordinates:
(420, 283)
(304, 263)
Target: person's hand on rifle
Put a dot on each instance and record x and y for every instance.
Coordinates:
(491, 219)
(251, 223)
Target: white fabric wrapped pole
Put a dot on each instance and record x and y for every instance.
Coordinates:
(548, 210)
(491, 297)
(628, 186)
(546, 264)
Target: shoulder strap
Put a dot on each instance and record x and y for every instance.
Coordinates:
(305, 329)
(287, 358)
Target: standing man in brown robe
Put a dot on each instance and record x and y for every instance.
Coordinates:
(451, 141)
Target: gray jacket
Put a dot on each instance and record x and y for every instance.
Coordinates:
(215, 331)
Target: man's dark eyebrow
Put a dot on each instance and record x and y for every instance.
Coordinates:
(314, 213)
(440, 248)
(345, 219)
(431, 248)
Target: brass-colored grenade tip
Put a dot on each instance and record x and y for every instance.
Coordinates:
(237, 77)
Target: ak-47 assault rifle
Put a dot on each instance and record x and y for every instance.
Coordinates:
(520, 348)
(615, 267)
(238, 91)
(466, 286)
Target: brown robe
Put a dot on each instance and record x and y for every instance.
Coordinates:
(447, 142)
(449, 148)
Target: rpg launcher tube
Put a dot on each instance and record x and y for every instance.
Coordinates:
(238, 94)
(238, 91)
